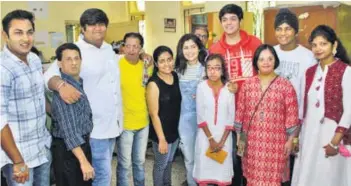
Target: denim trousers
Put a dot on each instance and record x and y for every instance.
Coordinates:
(38, 176)
(101, 151)
(188, 126)
(162, 171)
(131, 152)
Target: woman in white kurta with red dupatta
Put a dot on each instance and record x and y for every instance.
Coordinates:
(323, 120)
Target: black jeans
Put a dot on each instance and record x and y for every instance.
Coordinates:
(66, 165)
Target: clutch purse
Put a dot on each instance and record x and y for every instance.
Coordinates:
(219, 156)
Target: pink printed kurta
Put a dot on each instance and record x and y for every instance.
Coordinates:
(265, 163)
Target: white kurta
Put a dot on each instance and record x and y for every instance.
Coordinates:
(312, 168)
(207, 170)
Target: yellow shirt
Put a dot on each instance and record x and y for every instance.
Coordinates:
(133, 95)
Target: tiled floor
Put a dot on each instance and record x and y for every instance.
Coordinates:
(178, 170)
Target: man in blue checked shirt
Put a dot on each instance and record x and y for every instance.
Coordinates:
(72, 125)
(23, 102)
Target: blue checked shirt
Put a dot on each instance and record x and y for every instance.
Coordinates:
(23, 107)
(71, 121)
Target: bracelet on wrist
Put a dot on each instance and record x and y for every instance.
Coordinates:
(20, 162)
(209, 138)
(60, 86)
(295, 140)
(336, 147)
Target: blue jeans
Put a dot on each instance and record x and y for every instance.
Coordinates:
(131, 150)
(38, 176)
(101, 151)
(188, 127)
(162, 171)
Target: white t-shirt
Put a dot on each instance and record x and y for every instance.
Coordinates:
(293, 65)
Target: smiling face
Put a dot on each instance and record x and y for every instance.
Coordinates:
(266, 62)
(95, 34)
(322, 48)
(165, 63)
(230, 23)
(285, 34)
(20, 38)
(190, 50)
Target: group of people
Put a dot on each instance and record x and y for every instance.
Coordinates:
(271, 105)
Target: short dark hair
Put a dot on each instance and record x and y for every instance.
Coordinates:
(116, 46)
(201, 28)
(93, 16)
(134, 35)
(35, 51)
(224, 76)
(286, 16)
(231, 9)
(157, 52)
(258, 53)
(66, 46)
(181, 62)
(17, 14)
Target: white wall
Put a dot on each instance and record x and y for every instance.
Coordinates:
(215, 6)
(59, 12)
(155, 12)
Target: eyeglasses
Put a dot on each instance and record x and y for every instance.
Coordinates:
(201, 36)
(217, 69)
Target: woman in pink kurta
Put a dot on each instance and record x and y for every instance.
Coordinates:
(270, 134)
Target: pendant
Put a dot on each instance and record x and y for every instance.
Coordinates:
(261, 116)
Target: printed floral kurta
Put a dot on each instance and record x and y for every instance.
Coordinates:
(265, 163)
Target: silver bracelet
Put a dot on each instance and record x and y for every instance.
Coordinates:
(336, 147)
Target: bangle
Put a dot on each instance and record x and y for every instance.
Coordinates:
(18, 162)
(60, 85)
(336, 147)
(211, 137)
(295, 140)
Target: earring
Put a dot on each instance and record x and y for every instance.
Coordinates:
(334, 51)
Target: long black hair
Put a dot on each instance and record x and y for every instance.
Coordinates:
(329, 34)
(181, 62)
(224, 76)
(157, 52)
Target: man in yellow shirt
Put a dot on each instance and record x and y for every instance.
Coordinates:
(132, 143)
